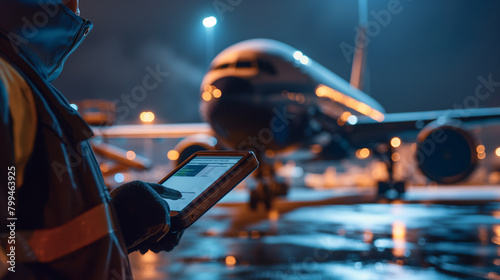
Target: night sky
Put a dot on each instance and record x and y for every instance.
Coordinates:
(426, 57)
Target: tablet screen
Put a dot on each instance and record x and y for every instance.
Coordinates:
(196, 176)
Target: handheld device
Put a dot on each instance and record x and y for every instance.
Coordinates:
(203, 179)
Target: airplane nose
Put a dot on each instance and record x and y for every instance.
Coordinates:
(233, 87)
(237, 115)
(224, 94)
(232, 104)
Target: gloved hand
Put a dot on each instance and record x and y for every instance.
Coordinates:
(167, 243)
(144, 216)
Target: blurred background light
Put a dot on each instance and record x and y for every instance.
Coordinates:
(395, 142)
(147, 117)
(173, 155)
(119, 178)
(209, 21)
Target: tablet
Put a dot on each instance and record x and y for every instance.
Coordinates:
(203, 179)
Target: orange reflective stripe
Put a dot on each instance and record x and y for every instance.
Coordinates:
(47, 245)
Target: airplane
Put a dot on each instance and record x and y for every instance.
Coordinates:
(269, 97)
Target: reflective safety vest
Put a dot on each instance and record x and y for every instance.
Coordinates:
(47, 245)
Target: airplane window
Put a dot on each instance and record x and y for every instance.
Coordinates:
(243, 64)
(222, 66)
(265, 66)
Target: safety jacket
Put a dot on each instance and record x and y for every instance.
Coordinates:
(64, 225)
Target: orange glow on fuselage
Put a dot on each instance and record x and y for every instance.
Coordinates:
(337, 96)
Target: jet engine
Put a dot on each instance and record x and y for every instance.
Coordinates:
(193, 144)
(446, 153)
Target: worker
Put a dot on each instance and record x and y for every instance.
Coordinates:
(58, 219)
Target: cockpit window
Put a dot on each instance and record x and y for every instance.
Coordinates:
(222, 66)
(266, 67)
(243, 64)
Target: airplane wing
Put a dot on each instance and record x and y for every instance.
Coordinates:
(367, 131)
(152, 130)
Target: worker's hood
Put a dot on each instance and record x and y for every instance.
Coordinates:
(42, 32)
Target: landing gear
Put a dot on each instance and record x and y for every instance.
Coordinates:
(267, 187)
(280, 189)
(261, 194)
(390, 189)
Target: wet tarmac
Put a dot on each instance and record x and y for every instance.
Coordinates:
(340, 234)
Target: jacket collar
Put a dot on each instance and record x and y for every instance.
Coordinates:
(42, 32)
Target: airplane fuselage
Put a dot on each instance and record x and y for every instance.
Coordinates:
(264, 95)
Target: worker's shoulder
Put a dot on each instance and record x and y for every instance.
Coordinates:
(5, 73)
(11, 79)
(14, 89)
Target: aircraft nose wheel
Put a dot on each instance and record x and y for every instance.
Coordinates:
(263, 194)
(268, 186)
(280, 189)
(391, 190)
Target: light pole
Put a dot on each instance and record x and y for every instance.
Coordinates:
(148, 118)
(209, 23)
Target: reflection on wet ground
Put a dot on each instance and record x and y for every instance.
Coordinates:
(335, 239)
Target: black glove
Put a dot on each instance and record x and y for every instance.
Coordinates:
(167, 243)
(144, 216)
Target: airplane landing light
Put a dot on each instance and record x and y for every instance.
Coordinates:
(217, 93)
(206, 96)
